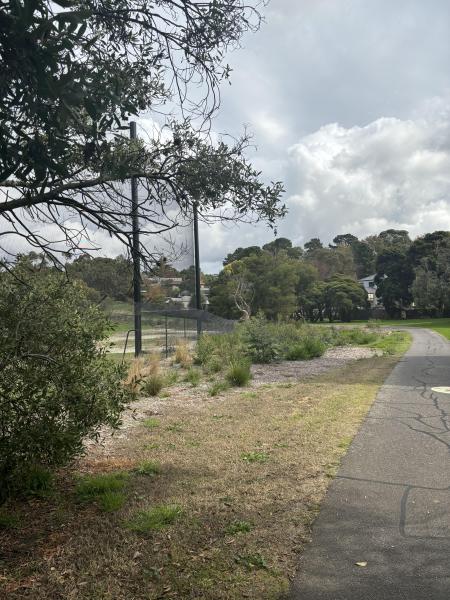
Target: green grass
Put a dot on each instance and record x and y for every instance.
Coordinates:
(218, 387)
(441, 326)
(155, 518)
(105, 489)
(151, 423)
(149, 468)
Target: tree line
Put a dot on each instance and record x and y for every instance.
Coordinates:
(316, 282)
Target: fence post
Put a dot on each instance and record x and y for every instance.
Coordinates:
(167, 343)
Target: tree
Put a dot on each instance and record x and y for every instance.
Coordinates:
(313, 244)
(364, 258)
(394, 279)
(57, 385)
(109, 276)
(240, 253)
(431, 286)
(346, 240)
(332, 261)
(342, 296)
(255, 283)
(72, 71)
(390, 239)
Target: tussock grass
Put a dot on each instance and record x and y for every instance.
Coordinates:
(183, 355)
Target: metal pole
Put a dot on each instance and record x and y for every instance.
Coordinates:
(136, 257)
(198, 299)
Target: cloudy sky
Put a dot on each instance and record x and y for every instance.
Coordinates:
(349, 103)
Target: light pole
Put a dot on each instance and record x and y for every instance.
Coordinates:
(198, 299)
(136, 257)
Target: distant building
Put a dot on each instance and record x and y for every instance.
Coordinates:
(369, 285)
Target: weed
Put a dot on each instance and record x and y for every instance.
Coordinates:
(252, 561)
(252, 457)
(155, 518)
(193, 377)
(214, 364)
(238, 527)
(218, 387)
(239, 374)
(152, 385)
(151, 423)
(149, 468)
(175, 427)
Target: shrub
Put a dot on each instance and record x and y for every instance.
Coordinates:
(261, 343)
(57, 384)
(154, 519)
(355, 336)
(239, 374)
(308, 348)
(152, 385)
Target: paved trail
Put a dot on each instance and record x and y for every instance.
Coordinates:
(390, 503)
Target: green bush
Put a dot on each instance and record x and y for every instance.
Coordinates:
(152, 385)
(355, 336)
(261, 343)
(309, 347)
(239, 374)
(57, 384)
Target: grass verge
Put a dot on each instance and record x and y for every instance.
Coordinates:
(224, 519)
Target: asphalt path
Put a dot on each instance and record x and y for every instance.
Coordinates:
(389, 506)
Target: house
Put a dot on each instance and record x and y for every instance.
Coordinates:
(369, 285)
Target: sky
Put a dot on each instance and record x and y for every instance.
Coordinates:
(349, 105)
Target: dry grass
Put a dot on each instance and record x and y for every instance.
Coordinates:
(183, 354)
(73, 552)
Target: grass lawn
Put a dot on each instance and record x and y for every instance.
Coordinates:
(442, 326)
(210, 500)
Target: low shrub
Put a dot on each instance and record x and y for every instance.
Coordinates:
(239, 374)
(152, 385)
(261, 343)
(355, 336)
(57, 383)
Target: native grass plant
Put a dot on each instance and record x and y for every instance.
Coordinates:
(183, 355)
(239, 373)
(57, 384)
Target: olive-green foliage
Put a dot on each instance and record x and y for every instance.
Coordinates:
(57, 385)
(218, 387)
(193, 376)
(260, 340)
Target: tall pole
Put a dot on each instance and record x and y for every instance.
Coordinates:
(198, 299)
(136, 257)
